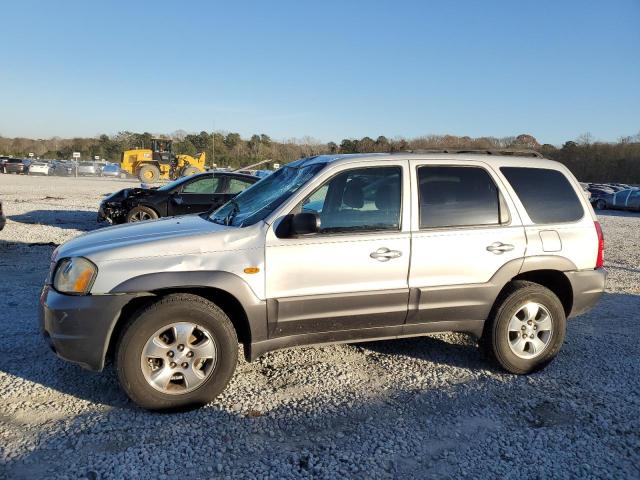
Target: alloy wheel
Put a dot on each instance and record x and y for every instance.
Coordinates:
(178, 358)
(530, 330)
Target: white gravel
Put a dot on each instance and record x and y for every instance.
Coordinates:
(419, 408)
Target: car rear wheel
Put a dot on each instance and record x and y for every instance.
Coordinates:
(526, 328)
(178, 353)
(601, 204)
(141, 214)
(149, 173)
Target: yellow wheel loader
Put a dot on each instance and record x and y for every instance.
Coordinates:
(159, 162)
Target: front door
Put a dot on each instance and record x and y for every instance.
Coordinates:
(195, 196)
(466, 238)
(352, 274)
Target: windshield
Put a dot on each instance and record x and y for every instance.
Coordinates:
(259, 200)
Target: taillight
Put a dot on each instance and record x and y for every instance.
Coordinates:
(600, 257)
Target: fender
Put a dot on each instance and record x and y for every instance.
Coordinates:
(548, 262)
(255, 308)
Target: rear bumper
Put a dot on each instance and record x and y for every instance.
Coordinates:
(588, 287)
(78, 328)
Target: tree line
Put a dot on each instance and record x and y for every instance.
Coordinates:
(589, 160)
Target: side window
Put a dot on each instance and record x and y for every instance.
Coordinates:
(315, 201)
(365, 199)
(458, 196)
(546, 194)
(203, 185)
(237, 185)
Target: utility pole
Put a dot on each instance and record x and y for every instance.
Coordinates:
(213, 144)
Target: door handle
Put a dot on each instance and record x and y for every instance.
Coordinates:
(384, 254)
(499, 248)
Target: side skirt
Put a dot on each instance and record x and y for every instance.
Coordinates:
(257, 349)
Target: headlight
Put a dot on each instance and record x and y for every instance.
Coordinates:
(74, 275)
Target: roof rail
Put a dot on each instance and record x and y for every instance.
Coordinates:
(505, 152)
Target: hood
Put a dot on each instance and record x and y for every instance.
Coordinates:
(129, 193)
(164, 237)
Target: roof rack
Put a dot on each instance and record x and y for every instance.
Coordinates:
(505, 152)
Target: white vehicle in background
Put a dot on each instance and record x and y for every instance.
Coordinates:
(39, 168)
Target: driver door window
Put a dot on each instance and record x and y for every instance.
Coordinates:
(196, 196)
(361, 200)
(201, 186)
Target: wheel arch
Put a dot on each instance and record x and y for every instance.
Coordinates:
(548, 271)
(247, 313)
(146, 205)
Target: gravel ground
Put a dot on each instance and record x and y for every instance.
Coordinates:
(429, 407)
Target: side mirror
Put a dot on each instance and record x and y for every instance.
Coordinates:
(304, 223)
(176, 198)
(299, 224)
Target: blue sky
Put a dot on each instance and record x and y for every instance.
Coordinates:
(326, 69)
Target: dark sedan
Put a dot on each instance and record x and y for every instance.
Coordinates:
(193, 194)
(63, 169)
(623, 200)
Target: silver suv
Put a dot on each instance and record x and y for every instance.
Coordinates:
(328, 249)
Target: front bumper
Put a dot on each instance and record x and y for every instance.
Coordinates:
(111, 214)
(588, 287)
(78, 327)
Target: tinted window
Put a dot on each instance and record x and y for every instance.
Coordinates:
(236, 185)
(546, 194)
(457, 196)
(365, 199)
(202, 185)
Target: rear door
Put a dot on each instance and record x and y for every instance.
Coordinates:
(233, 185)
(620, 199)
(634, 200)
(465, 232)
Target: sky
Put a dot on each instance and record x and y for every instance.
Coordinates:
(325, 69)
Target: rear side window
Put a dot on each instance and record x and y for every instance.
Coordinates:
(546, 194)
(458, 196)
(236, 185)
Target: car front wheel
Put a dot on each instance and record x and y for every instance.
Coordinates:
(178, 353)
(526, 328)
(140, 214)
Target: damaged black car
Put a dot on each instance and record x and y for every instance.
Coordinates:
(194, 194)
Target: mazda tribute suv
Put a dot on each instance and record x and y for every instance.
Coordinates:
(328, 249)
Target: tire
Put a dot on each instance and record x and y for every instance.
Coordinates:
(601, 205)
(149, 173)
(141, 214)
(143, 327)
(498, 337)
(189, 171)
